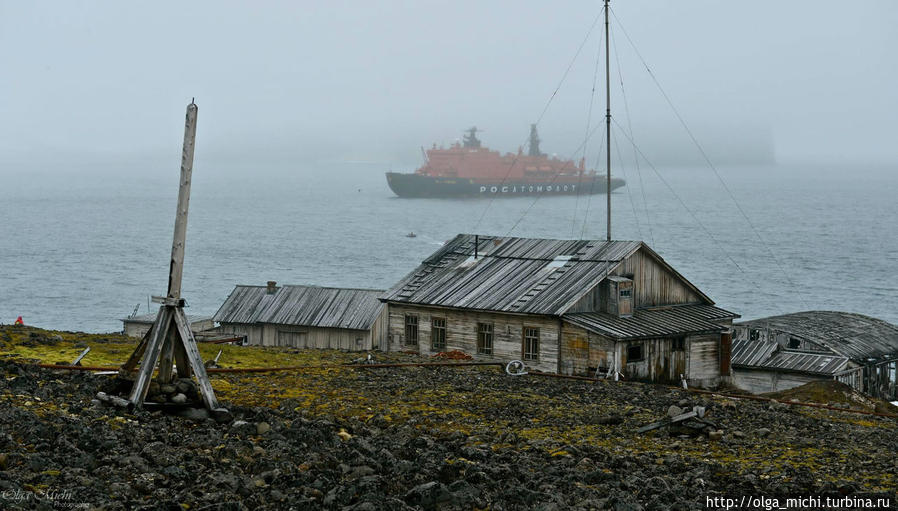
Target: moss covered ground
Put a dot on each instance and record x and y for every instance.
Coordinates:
(500, 412)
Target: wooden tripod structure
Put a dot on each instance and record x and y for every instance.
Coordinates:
(170, 342)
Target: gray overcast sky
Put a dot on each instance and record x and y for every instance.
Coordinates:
(376, 80)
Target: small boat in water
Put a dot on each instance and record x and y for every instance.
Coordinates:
(468, 169)
(411, 235)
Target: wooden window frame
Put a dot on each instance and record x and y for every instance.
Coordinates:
(434, 328)
(485, 337)
(529, 342)
(411, 330)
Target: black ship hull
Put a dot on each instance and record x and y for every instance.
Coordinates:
(417, 185)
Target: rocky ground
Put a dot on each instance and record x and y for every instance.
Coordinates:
(419, 438)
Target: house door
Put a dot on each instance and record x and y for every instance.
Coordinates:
(677, 365)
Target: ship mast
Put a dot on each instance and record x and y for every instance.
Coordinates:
(607, 124)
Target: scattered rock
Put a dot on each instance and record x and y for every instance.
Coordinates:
(428, 495)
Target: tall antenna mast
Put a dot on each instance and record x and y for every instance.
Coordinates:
(607, 123)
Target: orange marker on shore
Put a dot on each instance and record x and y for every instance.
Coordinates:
(19, 321)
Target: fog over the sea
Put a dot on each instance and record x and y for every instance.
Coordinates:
(93, 84)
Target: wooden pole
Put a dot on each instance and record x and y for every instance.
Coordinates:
(180, 237)
(607, 124)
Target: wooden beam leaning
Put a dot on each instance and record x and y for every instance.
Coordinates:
(131, 364)
(196, 361)
(151, 356)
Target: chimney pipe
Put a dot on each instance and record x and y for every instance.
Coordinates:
(476, 245)
(272, 287)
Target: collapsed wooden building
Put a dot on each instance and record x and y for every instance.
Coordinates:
(305, 316)
(608, 308)
(782, 352)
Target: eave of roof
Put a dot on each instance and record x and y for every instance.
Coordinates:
(655, 322)
(765, 355)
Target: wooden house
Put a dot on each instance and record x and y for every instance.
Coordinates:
(781, 352)
(137, 326)
(305, 316)
(607, 308)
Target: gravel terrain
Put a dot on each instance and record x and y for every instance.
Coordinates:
(421, 439)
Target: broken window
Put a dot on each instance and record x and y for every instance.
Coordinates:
(634, 353)
(794, 343)
(411, 330)
(531, 343)
(754, 335)
(626, 293)
(484, 338)
(438, 334)
(678, 344)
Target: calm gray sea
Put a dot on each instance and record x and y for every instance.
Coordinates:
(80, 249)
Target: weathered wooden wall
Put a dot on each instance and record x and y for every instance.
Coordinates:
(461, 333)
(320, 338)
(652, 283)
(307, 337)
(760, 381)
(703, 360)
(253, 333)
(135, 329)
(583, 352)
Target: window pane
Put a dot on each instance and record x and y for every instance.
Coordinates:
(438, 333)
(531, 343)
(411, 330)
(485, 338)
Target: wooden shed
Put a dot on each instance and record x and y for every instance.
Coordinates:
(781, 352)
(305, 316)
(137, 326)
(585, 307)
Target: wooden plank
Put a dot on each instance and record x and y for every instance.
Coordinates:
(151, 355)
(81, 356)
(196, 361)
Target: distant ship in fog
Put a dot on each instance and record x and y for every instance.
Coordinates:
(468, 169)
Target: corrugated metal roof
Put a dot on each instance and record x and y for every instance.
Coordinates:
(151, 318)
(654, 322)
(855, 336)
(512, 274)
(326, 307)
(769, 355)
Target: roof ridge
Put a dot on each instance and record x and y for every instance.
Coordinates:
(316, 287)
(492, 236)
